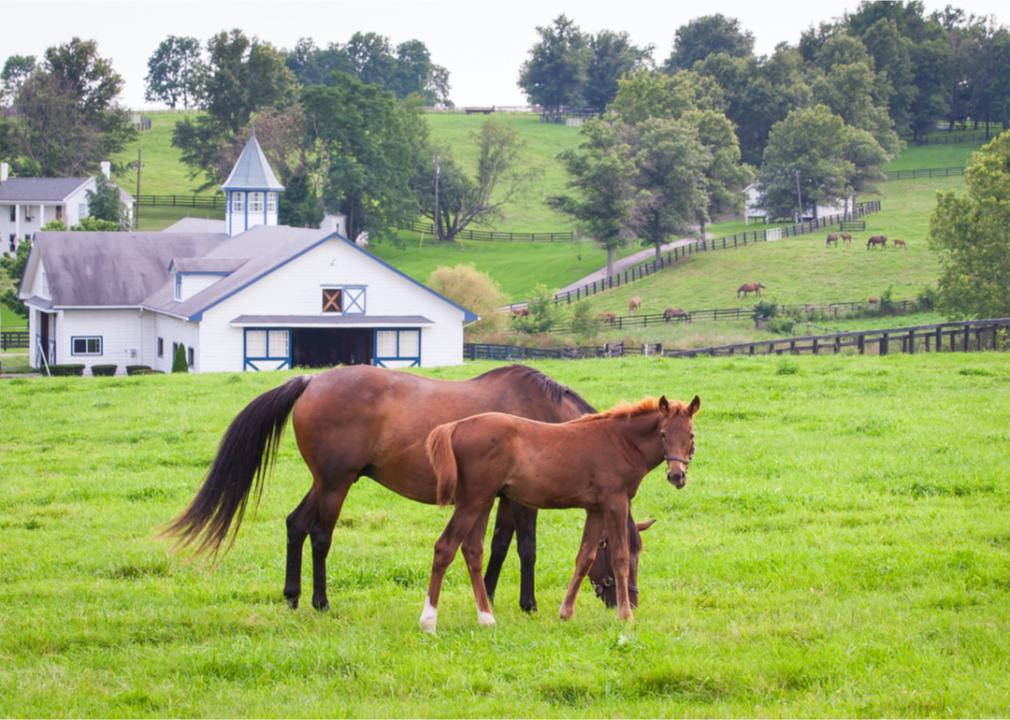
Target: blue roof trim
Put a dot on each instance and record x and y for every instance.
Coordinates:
(468, 316)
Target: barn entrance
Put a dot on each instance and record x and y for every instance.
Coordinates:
(327, 347)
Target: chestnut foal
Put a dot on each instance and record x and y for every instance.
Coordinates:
(595, 462)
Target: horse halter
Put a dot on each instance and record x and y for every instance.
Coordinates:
(676, 458)
(607, 581)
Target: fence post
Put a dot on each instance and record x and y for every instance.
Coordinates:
(883, 344)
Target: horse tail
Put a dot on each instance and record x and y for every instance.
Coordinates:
(443, 461)
(245, 457)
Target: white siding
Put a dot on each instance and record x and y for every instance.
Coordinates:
(172, 330)
(41, 213)
(192, 283)
(296, 289)
(120, 330)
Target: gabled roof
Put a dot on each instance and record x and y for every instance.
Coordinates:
(252, 171)
(198, 225)
(224, 266)
(32, 189)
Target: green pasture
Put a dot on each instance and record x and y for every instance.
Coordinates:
(158, 217)
(914, 157)
(9, 320)
(163, 172)
(841, 549)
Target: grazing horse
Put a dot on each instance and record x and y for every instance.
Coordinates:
(880, 240)
(847, 238)
(595, 462)
(634, 304)
(521, 312)
(608, 317)
(349, 424)
(676, 314)
(748, 288)
(899, 243)
(831, 240)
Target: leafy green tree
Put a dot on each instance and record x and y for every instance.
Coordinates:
(585, 324)
(832, 160)
(602, 175)
(17, 69)
(368, 147)
(175, 72)
(848, 90)
(612, 56)
(541, 312)
(969, 233)
(645, 94)
(554, 74)
(725, 176)
(464, 199)
(93, 224)
(104, 203)
(708, 35)
(14, 269)
(179, 363)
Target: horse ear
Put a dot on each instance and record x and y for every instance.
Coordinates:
(643, 526)
(664, 405)
(693, 407)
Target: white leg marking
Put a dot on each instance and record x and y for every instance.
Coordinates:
(429, 616)
(485, 618)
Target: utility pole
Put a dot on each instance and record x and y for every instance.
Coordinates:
(136, 198)
(438, 213)
(799, 195)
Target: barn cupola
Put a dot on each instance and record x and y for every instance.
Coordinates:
(251, 191)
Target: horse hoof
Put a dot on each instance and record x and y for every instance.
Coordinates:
(566, 613)
(528, 608)
(485, 619)
(429, 625)
(321, 605)
(292, 601)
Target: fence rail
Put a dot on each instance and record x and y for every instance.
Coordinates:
(13, 339)
(949, 137)
(215, 200)
(665, 260)
(924, 172)
(966, 336)
(564, 236)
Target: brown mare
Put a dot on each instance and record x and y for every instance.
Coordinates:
(832, 240)
(899, 243)
(847, 238)
(595, 462)
(634, 304)
(748, 288)
(880, 240)
(676, 314)
(349, 423)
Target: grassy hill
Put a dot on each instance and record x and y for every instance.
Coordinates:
(834, 553)
(163, 170)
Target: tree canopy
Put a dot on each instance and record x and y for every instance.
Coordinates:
(175, 72)
(708, 35)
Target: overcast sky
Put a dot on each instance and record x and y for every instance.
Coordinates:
(481, 43)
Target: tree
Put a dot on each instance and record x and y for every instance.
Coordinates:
(14, 269)
(969, 234)
(832, 159)
(104, 203)
(848, 90)
(554, 75)
(17, 69)
(602, 174)
(645, 94)
(368, 147)
(465, 199)
(725, 176)
(174, 72)
(708, 35)
(179, 363)
(475, 290)
(611, 57)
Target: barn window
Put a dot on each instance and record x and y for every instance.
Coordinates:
(332, 300)
(86, 345)
(189, 356)
(271, 202)
(398, 345)
(255, 202)
(14, 213)
(236, 202)
(161, 347)
(178, 286)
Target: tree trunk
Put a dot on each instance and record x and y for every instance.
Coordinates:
(658, 251)
(610, 261)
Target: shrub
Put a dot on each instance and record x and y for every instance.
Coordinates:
(103, 370)
(179, 364)
(475, 290)
(92, 224)
(765, 310)
(887, 301)
(137, 369)
(585, 325)
(541, 312)
(926, 299)
(54, 226)
(66, 369)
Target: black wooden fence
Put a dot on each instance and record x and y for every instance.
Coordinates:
(947, 137)
(565, 236)
(13, 339)
(966, 336)
(216, 200)
(924, 172)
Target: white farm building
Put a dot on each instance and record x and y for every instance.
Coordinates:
(238, 294)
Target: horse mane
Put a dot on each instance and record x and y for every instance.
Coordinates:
(626, 409)
(547, 385)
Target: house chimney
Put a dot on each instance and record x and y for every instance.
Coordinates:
(335, 223)
(107, 169)
(4, 169)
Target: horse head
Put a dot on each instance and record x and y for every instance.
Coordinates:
(601, 573)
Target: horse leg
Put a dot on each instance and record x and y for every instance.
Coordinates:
(616, 523)
(526, 543)
(473, 554)
(460, 524)
(584, 560)
(328, 503)
(298, 529)
(501, 539)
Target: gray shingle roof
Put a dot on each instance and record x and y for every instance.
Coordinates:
(197, 225)
(207, 265)
(331, 320)
(39, 189)
(252, 171)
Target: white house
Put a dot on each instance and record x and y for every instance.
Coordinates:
(266, 297)
(28, 203)
(754, 211)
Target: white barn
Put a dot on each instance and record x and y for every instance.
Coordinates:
(26, 204)
(259, 297)
(754, 211)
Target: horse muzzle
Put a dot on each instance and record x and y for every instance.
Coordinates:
(678, 479)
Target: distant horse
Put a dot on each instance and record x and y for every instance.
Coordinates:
(349, 423)
(521, 312)
(873, 301)
(676, 314)
(634, 304)
(748, 288)
(880, 240)
(596, 462)
(847, 238)
(608, 317)
(832, 240)
(899, 243)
